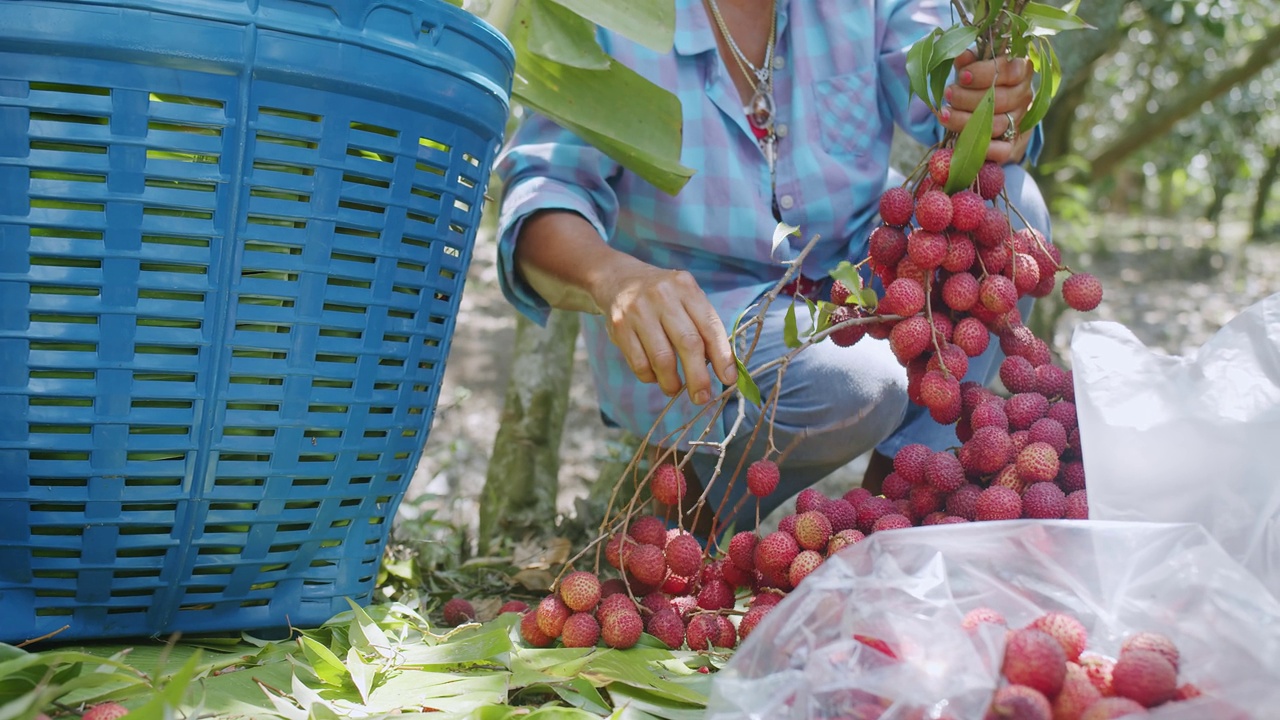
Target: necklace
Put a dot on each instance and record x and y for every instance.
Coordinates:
(760, 109)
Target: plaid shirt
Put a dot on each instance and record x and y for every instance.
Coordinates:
(840, 85)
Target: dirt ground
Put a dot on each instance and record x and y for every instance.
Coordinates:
(1172, 283)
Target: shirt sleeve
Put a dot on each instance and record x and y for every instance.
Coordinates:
(904, 22)
(545, 167)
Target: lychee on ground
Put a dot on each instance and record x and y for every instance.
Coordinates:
(580, 630)
(621, 630)
(458, 611)
(105, 711)
(580, 590)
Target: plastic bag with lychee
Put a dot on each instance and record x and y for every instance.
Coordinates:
(1061, 620)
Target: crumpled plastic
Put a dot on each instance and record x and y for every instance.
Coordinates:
(821, 651)
(1187, 439)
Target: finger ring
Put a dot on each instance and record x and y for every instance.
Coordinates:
(1010, 133)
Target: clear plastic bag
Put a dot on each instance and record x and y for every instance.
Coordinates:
(819, 654)
(1187, 439)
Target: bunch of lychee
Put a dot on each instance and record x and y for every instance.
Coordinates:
(1050, 675)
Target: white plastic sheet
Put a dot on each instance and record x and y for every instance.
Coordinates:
(910, 589)
(1187, 439)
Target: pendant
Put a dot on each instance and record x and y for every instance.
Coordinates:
(760, 110)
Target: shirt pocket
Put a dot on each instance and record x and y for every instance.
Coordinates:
(848, 112)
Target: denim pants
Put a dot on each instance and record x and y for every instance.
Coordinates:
(837, 403)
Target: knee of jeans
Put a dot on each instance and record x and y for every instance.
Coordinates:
(1025, 195)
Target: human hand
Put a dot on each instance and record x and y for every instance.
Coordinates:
(657, 317)
(1013, 94)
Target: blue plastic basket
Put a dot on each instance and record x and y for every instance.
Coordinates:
(233, 237)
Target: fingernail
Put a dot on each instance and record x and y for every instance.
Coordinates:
(703, 397)
(946, 114)
(947, 94)
(966, 77)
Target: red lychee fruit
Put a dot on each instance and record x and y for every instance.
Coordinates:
(896, 206)
(1038, 463)
(960, 292)
(762, 478)
(841, 514)
(926, 249)
(1082, 292)
(981, 615)
(515, 606)
(967, 210)
(715, 595)
(614, 603)
(805, 563)
(742, 549)
(909, 338)
(530, 631)
(1154, 642)
(998, 503)
(552, 614)
(993, 260)
(886, 246)
(582, 630)
(1098, 668)
(933, 212)
(580, 590)
(458, 611)
(1020, 702)
(871, 511)
(895, 487)
(989, 415)
(810, 500)
(891, 521)
(906, 268)
(1008, 478)
(924, 500)
(1064, 412)
(1018, 375)
(1049, 431)
(1145, 677)
(902, 297)
(649, 530)
(940, 165)
(848, 335)
(775, 552)
(842, 540)
(963, 502)
(1024, 409)
(856, 497)
(993, 231)
(788, 524)
(939, 391)
(839, 292)
(1024, 272)
(703, 632)
(668, 484)
(1067, 630)
(813, 530)
(1112, 708)
(647, 564)
(997, 293)
(684, 555)
(667, 626)
(960, 252)
(990, 180)
(1076, 696)
(620, 630)
(991, 449)
(1186, 691)
(954, 360)
(1035, 659)
(910, 462)
(1051, 380)
(751, 619)
(971, 336)
(1044, 501)
(943, 472)
(105, 711)
(1077, 506)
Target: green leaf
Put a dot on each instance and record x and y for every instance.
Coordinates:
(847, 273)
(560, 35)
(582, 695)
(1045, 62)
(655, 704)
(790, 333)
(1046, 17)
(780, 234)
(867, 298)
(746, 385)
(919, 59)
(813, 315)
(327, 666)
(467, 647)
(951, 43)
(651, 23)
(618, 111)
(635, 670)
(824, 316)
(360, 672)
(971, 146)
(365, 634)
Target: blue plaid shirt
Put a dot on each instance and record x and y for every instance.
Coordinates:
(840, 85)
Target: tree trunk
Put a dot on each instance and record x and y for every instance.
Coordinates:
(1265, 183)
(1150, 126)
(523, 477)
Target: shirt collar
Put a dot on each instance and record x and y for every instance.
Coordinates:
(694, 34)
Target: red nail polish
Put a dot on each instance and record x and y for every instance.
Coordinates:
(947, 94)
(946, 115)
(966, 77)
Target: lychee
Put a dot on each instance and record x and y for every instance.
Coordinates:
(805, 563)
(751, 619)
(1154, 642)
(940, 165)
(1044, 501)
(776, 550)
(997, 293)
(990, 180)
(1077, 506)
(1018, 375)
(533, 634)
(1023, 409)
(702, 632)
(668, 484)
(846, 335)
(683, 555)
(993, 231)
(1110, 708)
(1051, 380)
(981, 615)
(1082, 292)
(581, 630)
(841, 514)
(515, 606)
(933, 212)
(1098, 668)
(668, 628)
(891, 521)
(943, 472)
(580, 590)
(1024, 272)
(856, 496)
(1076, 696)
(762, 478)
(971, 336)
(960, 252)
(909, 338)
(910, 462)
(105, 711)
(963, 502)
(1038, 463)
(896, 206)
(715, 595)
(458, 611)
(902, 297)
(1019, 702)
(1049, 431)
(1035, 659)
(998, 503)
(871, 511)
(991, 449)
(842, 540)
(647, 564)
(621, 630)
(954, 360)
(742, 549)
(809, 500)
(1067, 630)
(967, 210)
(960, 291)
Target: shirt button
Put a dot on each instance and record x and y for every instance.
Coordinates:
(786, 201)
(779, 62)
(781, 130)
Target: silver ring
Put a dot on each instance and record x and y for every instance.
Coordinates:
(1010, 133)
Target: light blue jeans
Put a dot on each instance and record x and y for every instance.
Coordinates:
(837, 403)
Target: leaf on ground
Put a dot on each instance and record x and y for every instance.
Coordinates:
(450, 692)
(327, 666)
(654, 704)
(581, 694)
(468, 646)
(635, 669)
